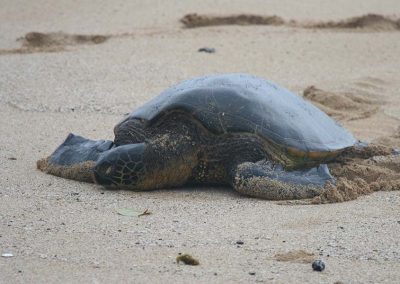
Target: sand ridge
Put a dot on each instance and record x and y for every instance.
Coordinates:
(361, 177)
(195, 20)
(370, 22)
(34, 42)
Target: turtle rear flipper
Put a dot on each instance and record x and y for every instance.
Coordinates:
(266, 180)
(75, 158)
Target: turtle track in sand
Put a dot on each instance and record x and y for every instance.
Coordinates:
(343, 106)
(360, 100)
(368, 22)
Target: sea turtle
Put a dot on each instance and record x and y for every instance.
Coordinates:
(234, 129)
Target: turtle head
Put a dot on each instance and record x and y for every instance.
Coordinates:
(121, 167)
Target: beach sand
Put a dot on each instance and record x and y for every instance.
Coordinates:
(80, 66)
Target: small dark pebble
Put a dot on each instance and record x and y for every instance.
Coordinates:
(215, 273)
(12, 158)
(101, 192)
(240, 242)
(74, 193)
(318, 265)
(19, 271)
(207, 49)
(252, 273)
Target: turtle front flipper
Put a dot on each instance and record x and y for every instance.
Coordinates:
(266, 180)
(75, 158)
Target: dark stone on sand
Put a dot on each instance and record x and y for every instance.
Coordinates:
(318, 265)
(207, 49)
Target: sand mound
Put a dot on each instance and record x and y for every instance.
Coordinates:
(35, 39)
(343, 106)
(79, 172)
(299, 256)
(358, 171)
(52, 42)
(390, 141)
(195, 20)
(369, 21)
(361, 177)
(372, 22)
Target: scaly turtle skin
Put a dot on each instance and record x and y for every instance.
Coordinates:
(233, 129)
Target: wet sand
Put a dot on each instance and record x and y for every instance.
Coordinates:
(61, 230)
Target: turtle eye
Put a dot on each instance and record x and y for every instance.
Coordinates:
(108, 170)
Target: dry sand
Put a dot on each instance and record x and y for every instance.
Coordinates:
(64, 231)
